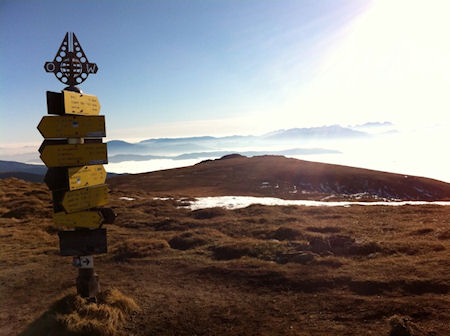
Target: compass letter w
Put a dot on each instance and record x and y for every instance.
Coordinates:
(91, 68)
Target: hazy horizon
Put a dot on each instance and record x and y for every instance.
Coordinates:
(410, 151)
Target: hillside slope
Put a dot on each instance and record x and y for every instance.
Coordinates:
(278, 176)
(13, 166)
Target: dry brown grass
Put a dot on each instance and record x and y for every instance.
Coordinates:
(75, 316)
(195, 238)
(256, 271)
(138, 248)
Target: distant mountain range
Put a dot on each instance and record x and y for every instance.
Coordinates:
(333, 132)
(217, 154)
(36, 172)
(299, 141)
(25, 171)
(373, 125)
(289, 137)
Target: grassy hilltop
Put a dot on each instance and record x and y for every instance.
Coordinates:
(261, 270)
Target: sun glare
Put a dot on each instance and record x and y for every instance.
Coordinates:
(393, 64)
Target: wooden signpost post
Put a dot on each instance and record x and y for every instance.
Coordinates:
(74, 153)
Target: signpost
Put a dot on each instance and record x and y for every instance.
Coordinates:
(75, 177)
(72, 126)
(74, 153)
(84, 198)
(69, 102)
(82, 242)
(83, 219)
(67, 155)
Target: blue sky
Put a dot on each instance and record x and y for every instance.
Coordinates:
(170, 68)
(184, 68)
(190, 68)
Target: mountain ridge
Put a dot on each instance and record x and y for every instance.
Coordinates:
(277, 176)
(182, 145)
(266, 175)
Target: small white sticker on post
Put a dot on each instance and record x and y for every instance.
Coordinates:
(83, 262)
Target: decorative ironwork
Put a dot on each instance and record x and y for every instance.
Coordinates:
(71, 65)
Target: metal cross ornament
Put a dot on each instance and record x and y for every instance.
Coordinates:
(71, 65)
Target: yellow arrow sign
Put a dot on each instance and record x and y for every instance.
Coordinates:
(85, 198)
(70, 126)
(84, 219)
(86, 176)
(61, 178)
(65, 155)
(80, 103)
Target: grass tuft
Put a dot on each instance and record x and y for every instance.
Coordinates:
(402, 326)
(192, 239)
(75, 316)
(138, 248)
(208, 213)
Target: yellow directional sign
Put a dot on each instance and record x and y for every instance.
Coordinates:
(80, 103)
(71, 126)
(86, 176)
(66, 155)
(70, 102)
(61, 178)
(85, 198)
(84, 219)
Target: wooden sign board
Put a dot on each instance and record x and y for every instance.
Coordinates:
(75, 178)
(82, 242)
(72, 126)
(85, 198)
(69, 102)
(86, 176)
(84, 219)
(66, 155)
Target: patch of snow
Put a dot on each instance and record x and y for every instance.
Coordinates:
(127, 198)
(237, 202)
